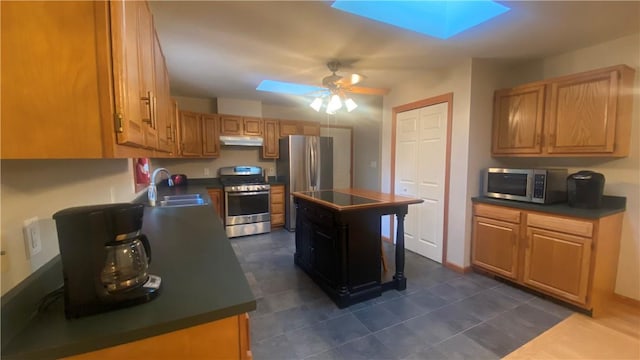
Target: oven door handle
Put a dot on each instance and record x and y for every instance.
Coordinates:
(248, 193)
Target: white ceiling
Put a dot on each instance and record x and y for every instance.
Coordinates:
(225, 48)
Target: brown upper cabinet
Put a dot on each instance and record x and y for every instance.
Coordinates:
(295, 127)
(165, 120)
(88, 81)
(199, 136)
(585, 114)
(240, 125)
(270, 147)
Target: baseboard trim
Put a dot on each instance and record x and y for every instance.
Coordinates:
(387, 239)
(626, 300)
(458, 269)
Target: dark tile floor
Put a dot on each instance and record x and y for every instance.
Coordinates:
(441, 314)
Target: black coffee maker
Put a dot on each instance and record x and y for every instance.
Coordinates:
(584, 189)
(105, 258)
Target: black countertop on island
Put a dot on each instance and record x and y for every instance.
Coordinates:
(610, 205)
(202, 281)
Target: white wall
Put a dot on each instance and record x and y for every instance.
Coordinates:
(455, 79)
(239, 107)
(622, 175)
(42, 187)
(202, 105)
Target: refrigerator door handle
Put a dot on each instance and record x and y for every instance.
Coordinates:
(314, 164)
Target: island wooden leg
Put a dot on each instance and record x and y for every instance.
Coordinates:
(400, 280)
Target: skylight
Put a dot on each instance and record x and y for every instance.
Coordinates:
(441, 19)
(287, 88)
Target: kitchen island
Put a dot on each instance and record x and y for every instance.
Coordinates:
(201, 308)
(338, 237)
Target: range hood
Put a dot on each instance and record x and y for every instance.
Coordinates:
(241, 140)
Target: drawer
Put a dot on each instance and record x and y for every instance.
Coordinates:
(561, 224)
(497, 212)
(277, 208)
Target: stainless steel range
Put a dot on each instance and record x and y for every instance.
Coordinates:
(246, 201)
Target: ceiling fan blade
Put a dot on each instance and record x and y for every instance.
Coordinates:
(368, 90)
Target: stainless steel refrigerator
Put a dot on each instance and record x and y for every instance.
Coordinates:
(305, 164)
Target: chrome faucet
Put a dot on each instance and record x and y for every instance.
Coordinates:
(152, 191)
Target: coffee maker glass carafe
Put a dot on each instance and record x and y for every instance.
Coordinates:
(126, 264)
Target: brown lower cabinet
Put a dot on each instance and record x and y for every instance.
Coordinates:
(277, 206)
(227, 338)
(217, 201)
(572, 259)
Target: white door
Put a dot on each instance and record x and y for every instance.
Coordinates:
(420, 172)
(341, 155)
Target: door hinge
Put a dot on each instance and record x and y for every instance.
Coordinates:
(118, 119)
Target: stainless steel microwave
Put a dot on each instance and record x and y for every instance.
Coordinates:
(542, 186)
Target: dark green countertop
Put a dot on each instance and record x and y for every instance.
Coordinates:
(610, 205)
(202, 281)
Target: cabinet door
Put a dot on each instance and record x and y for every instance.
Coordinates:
(288, 127)
(310, 128)
(304, 247)
(582, 114)
(190, 134)
(216, 200)
(147, 89)
(495, 246)
(558, 263)
(53, 88)
(163, 106)
(277, 205)
(210, 136)
(517, 120)
(230, 125)
(125, 29)
(325, 254)
(270, 149)
(252, 126)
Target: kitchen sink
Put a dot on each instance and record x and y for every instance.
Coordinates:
(182, 197)
(182, 200)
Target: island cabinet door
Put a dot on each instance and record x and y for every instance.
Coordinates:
(304, 248)
(325, 254)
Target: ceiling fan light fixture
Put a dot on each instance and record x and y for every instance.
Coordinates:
(355, 78)
(350, 104)
(334, 104)
(316, 104)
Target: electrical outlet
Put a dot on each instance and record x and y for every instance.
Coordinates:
(206, 172)
(4, 262)
(32, 242)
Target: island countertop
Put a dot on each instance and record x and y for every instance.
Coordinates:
(351, 199)
(202, 281)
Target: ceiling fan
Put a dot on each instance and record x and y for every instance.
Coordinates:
(337, 83)
(333, 83)
(334, 88)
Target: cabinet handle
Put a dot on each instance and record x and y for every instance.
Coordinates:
(155, 112)
(169, 133)
(149, 100)
(538, 139)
